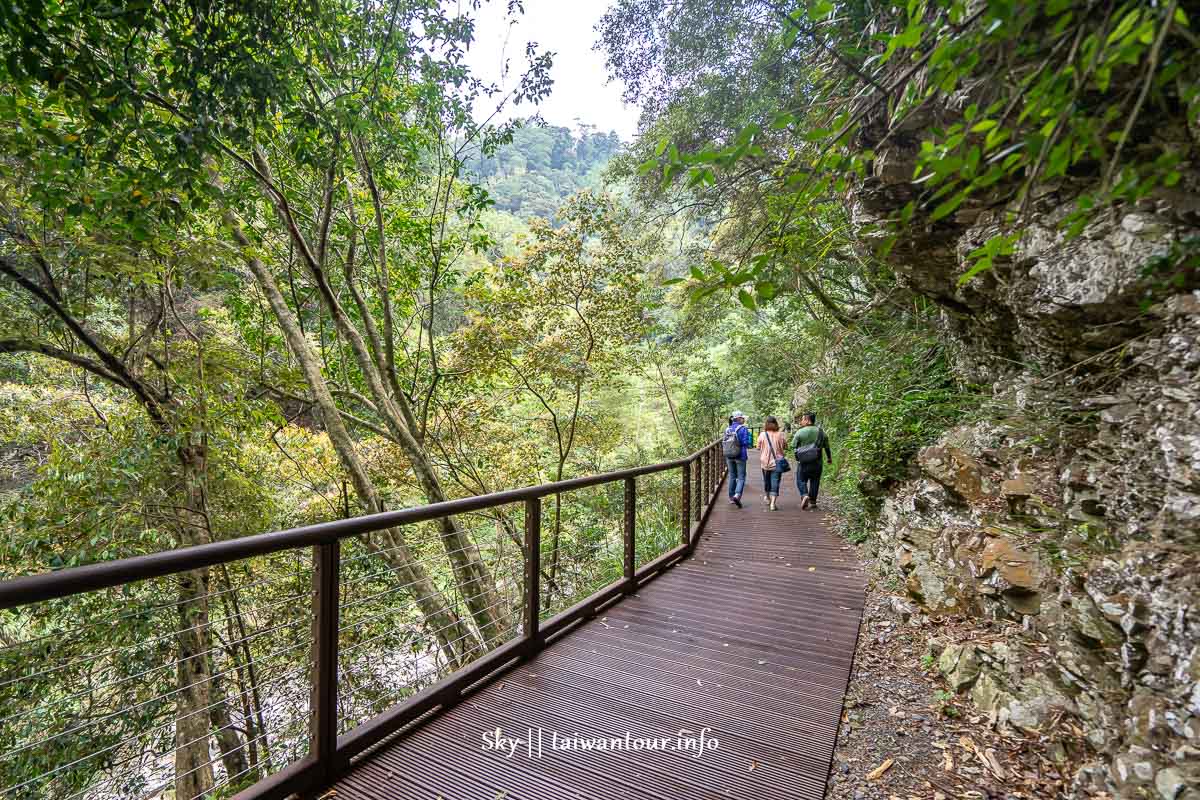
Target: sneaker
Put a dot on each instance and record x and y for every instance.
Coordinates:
(737, 501)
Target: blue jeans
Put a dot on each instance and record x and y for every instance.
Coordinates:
(771, 483)
(737, 475)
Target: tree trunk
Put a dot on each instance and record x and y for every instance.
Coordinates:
(472, 575)
(193, 764)
(457, 641)
(239, 649)
(671, 404)
(233, 750)
(193, 769)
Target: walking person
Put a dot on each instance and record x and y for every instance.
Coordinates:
(734, 444)
(771, 448)
(808, 443)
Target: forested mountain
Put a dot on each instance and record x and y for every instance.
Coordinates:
(542, 166)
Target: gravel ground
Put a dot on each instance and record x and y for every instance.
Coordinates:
(904, 736)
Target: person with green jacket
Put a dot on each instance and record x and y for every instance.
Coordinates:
(808, 443)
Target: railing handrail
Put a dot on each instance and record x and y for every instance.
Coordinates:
(330, 754)
(70, 581)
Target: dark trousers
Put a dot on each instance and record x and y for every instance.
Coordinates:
(808, 480)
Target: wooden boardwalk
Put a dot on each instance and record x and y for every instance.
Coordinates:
(751, 641)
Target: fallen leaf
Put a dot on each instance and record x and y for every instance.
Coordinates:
(812, 569)
(753, 765)
(876, 773)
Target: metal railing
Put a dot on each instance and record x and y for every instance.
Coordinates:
(375, 662)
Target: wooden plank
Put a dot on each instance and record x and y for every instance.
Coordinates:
(727, 639)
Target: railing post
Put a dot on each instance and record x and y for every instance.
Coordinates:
(714, 470)
(708, 473)
(323, 724)
(533, 571)
(685, 505)
(698, 491)
(630, 532)
(706, 463)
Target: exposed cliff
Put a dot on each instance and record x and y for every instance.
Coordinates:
(1068, 515)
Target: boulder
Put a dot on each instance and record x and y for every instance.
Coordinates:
(1037, 699)
(1090, 625)
(1016, 491)
(988, 693)
(1170, 783)
(938, 591)
(1010, 566)
(958, 472)
(959, 663)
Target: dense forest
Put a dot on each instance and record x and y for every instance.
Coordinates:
(261, 266)
(542, 166)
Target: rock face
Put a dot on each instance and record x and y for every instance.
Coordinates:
(1071, 520)
(1083, 550)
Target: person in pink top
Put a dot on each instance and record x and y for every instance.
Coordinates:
(771, 444)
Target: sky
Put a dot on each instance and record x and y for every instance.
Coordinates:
(566, 27)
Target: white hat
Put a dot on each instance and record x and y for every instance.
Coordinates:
(737, 414)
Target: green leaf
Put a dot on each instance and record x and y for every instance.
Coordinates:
(819, 10)
(978, 268)
(947, 207)
(746, 299)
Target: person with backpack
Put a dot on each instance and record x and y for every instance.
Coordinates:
(771, 448)
(734, 443)
(808, 443)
